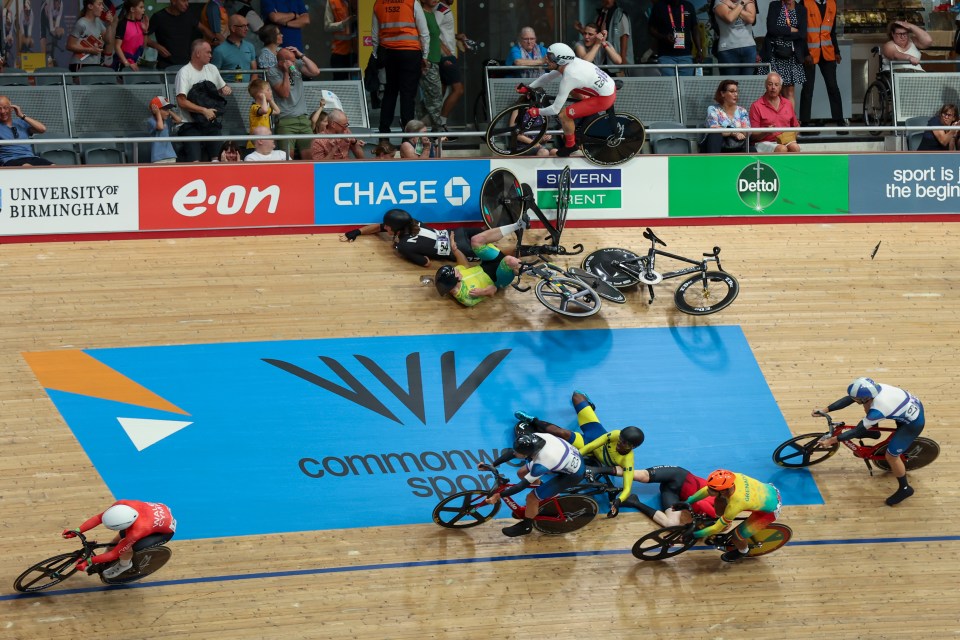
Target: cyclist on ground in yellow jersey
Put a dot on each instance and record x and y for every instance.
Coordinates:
(740, 493)
(469, 285)
(608, 449)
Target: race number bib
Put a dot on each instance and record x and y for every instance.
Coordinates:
(912, 412)
(443, 243)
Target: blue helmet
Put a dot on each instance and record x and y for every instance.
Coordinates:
(863, 389)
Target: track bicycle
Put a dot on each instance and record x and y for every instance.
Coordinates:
(704, 293)
(558, 514)
(559, 289)
(147, 558)
(606, 138)
(806, 450)
(672, 541)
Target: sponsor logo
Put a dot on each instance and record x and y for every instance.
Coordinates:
(456, 191)
(589, 188)
(758, 186)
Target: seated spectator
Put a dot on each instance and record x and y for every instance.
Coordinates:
(229, 152)
(773, 111)
(235, 52)
(904, 44)
(527, 53)
(726, 114)
(86, 39)
(15, 125)
(319, 120)
(174, 29)
(263, 106)
(419, 147)
(593, 47)
(336, 148)
(264, 149)
(385, 151)
(941, 139)
(161, 120)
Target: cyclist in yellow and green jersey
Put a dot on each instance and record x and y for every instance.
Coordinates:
(611, 450)
(469, 285)
(741, 493)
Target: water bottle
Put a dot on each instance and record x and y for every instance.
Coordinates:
(239, 76)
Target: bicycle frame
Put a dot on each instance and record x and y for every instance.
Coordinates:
(865, 452)
(650, 277)
(519, 511)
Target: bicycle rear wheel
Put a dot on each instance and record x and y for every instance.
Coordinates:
(501, 199)
(803, 451)
(568, 297)
(617, 267)
(920, 453)
(703, 295)
(564, 514)
(464, 510)
(47, 573)
(767, 541)
(512, 132)
(662, 544)
(611, 141)
(144, 563)
(603, 288)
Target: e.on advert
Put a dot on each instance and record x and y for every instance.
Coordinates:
(227, 196)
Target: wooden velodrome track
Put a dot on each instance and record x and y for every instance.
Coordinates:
(815, 308)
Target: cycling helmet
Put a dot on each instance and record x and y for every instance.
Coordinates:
(528, 444)
(397, 220)
(445, 280)
(560, 54)
(119, 517)
(720, 480)
(863, 389)
(631, 436)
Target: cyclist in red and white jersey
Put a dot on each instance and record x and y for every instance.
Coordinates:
(147, 523)
(581, 79)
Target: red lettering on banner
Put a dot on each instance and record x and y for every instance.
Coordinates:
(212, 196)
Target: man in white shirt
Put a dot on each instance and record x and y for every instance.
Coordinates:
(205, 120)
(264, 150)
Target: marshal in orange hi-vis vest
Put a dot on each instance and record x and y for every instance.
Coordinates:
(344, 40)
(819, 30)
(398, 26)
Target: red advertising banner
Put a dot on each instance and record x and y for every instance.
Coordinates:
(217, 196)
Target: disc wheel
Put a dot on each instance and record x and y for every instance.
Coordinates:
(706, 294)
(767, 541)
(44, 575)
(501, 199)
(803, 451)
(920, 453)
(144, 563)
(464, 510)
(617, 267)
(609, 141)
(513, 132)
(565, 514)
(568, 297)
(662, 543)
(598, 284)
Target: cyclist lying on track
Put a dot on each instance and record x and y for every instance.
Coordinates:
(545, 454)
(582, 79)
(133, 521)
(418, 243)
(735, 492)
(607, 449)
(883, 402)
(469, 285)
(676, 484)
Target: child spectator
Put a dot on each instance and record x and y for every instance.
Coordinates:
(229, 152)
(162, 118)
(263, 106)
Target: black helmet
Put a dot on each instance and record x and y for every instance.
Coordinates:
(397, 219)
(445, 280)
(528, 444)
(631, 436)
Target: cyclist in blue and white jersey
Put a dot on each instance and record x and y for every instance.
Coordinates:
(884, 402)
(546, 455)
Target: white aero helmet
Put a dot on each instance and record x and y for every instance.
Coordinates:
(560, 54)
(863, 389)
(119, 517)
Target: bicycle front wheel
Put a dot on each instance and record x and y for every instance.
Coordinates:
(501, 199)
(565, 514)
(610, 141)
(662, 544)
(705, 294)
(920, 453)
(144, 563)
(803, 451)
(568, 297)
(512, 132)
(47, 573)
(617, 267)
(767, 541)
(563, 198)
(464, 510)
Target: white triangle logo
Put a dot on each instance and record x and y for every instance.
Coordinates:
(143, 432)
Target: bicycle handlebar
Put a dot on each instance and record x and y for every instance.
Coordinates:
(501, 479)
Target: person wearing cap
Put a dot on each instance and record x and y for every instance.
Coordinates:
(161, 120)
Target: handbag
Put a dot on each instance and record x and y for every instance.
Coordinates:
(782, 51)
(787, 137)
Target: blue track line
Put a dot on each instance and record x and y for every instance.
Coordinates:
(435, 563)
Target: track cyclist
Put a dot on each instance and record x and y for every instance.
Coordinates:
(883, 402)
(584, 80)
(148, 523)
(734, 493)
(545, 455)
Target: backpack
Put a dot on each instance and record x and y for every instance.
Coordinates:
(205, 94)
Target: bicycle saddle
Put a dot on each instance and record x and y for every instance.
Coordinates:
(649, 235)
(618, 84)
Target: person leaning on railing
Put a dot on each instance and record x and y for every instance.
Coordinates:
(904, 44)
